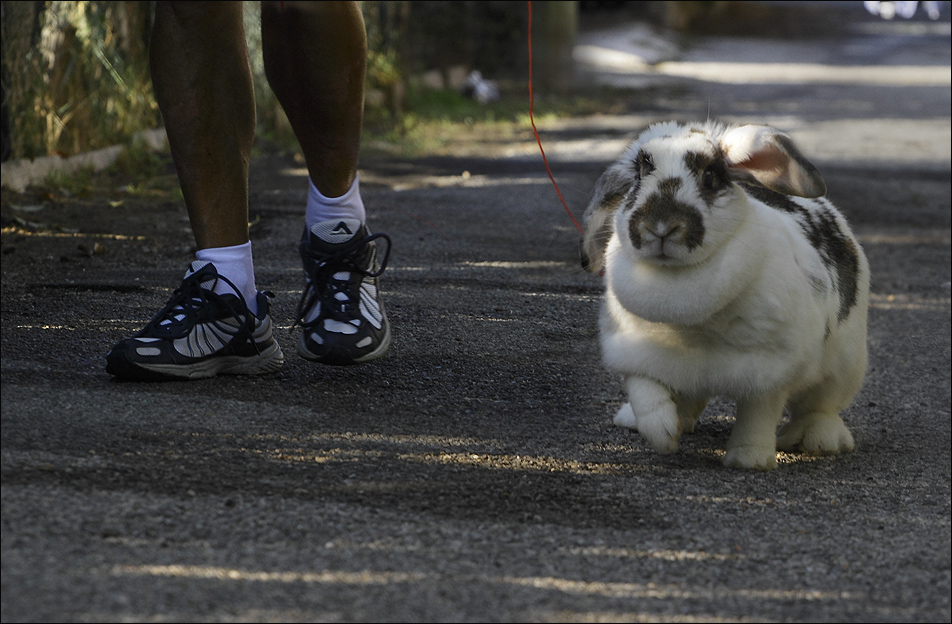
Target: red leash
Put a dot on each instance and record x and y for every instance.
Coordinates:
(536, 132)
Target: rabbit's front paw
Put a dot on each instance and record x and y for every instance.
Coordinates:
(653, 412)
(661, 428)
(751, 458)
(816, 434)
(625, 417)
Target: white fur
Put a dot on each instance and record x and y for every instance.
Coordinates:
(753, 313)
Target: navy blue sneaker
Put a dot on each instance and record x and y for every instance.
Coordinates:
(341, 313)
(200, 334)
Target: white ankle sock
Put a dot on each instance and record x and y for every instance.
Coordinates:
(234, 263)
(347, 206)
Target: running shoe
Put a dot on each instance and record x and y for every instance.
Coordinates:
(200, 334)
(341, 313)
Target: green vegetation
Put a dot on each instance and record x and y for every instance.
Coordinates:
(76, 79)
(73, 184)
(437, 121)
(144, 173)
(137, 172)
(75, 75)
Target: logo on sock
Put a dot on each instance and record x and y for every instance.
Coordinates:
(340, 229)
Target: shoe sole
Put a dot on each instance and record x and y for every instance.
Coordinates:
(336, 360)
(269, 361)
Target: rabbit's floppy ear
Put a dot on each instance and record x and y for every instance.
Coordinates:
(610, 189)
(766, 157)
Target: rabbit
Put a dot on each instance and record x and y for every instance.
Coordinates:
(727, 273)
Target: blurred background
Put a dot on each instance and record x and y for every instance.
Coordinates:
(76, 77)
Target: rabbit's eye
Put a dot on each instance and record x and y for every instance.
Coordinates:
(645, 165)
(714, 177)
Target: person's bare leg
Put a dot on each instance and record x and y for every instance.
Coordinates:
(202, 81)
(315, 58)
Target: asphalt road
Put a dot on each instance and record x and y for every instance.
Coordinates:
(474, 474)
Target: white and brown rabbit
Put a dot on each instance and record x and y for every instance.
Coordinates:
(728, 274)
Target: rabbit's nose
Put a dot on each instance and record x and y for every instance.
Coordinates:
(663, 229)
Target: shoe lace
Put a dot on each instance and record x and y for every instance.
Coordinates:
(191, 304)
(339, 298)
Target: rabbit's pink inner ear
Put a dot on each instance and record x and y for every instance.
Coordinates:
(768, 168)
(767, 158)
(752, 152)
(790, 179)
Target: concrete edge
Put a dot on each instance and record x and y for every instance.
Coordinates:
(18, 174)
